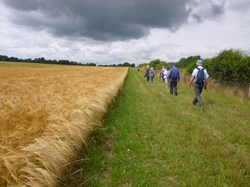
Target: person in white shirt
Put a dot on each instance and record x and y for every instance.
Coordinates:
(162, 73)
(199, 77)
(165, 73)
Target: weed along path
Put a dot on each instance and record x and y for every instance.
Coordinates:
(151, 138)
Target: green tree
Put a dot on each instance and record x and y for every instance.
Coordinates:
(188, 62)
(231, 65)
(157, 64)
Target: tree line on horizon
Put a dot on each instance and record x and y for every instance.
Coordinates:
(42, 60)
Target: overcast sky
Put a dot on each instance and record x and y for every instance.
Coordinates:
(118, 31)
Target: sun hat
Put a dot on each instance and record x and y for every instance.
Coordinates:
(199, 63)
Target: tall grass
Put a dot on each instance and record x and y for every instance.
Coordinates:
(236, 90)
(151, 138)
(46, 115)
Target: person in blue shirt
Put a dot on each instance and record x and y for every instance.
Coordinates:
(174, 78)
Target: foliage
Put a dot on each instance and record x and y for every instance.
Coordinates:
(42, 60)
(142, 65)
(126, 64)
(157, 64)
(193, 65)
(186, 62)
(230, 65)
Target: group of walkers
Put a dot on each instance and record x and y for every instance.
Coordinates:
(171, 77)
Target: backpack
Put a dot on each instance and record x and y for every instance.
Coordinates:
(174, 74)
(200, 76)
(151, 73)
(161, 75)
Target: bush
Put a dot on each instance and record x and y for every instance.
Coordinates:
(230, 65)
(188, 62)
(157, 64)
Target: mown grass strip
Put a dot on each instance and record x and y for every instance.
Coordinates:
(151, 138)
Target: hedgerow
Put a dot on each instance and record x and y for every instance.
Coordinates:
(229, 65)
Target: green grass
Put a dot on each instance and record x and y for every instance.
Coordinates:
(151, 138)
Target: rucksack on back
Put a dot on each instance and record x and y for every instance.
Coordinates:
(200, 76)
(151, 73)
(174, 74)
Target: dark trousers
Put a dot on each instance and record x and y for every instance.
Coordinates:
(173, 87)
(151, 79)
(197, 91)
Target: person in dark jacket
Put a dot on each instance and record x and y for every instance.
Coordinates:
(151, 75)
(147, 72)
(174, 78)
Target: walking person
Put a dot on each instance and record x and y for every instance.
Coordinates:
(199, 77)
(151, 74)
(147, 72)
(165, 73)
(174, 78)
(162, 73)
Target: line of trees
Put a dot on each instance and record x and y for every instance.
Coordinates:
(125, 64)
(42, 60)
(156, 64)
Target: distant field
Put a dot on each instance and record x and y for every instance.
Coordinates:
(46, 114)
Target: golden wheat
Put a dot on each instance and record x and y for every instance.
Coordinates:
(46, 115)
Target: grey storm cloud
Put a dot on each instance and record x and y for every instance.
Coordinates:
(209, 10)
(241, 5)
(104, 20)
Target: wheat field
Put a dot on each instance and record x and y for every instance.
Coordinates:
(46, 115)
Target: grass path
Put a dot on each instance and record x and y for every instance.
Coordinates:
(151, 138)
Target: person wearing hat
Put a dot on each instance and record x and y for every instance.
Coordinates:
(147, 72)
(151, 74)
(199, 77)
